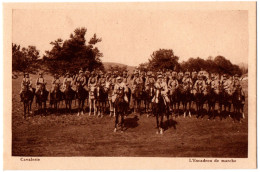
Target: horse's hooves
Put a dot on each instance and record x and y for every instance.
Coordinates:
(114, 130)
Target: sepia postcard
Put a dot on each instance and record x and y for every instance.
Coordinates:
(129, 85)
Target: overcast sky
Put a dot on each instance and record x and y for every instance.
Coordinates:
(130, 35)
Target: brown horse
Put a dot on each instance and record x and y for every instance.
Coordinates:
(27, 98)
(137, 95)
(101, 99)
(41, 98)
(159, 109)
(81, 96)
(56, 96)
(185, 98)
(68, 95)
(120, 108)
(238, 103)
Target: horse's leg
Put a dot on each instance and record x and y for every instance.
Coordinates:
(122, 122)
(116, 122)
(161, 124)
(24, 108)
(90, 106)
(94, 102)
(79, 103)
(157, 122)
(82, 106)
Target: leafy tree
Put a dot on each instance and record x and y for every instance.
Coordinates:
(74, 54)
(163, 59)
(24, 59)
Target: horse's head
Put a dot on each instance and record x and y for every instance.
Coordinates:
(56, 86)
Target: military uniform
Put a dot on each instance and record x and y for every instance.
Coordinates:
(40, 81)
(187, 82)
(173, 84)
(54, 82)
(119, 86)
(26, 82)
(161, 85)
(227, 84)
(67, 80)
(199, 85)
(180, 77)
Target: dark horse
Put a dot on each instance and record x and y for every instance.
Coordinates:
(225, 99)
(212, 96)
(199, 98)
(68, 95)
(185, 98)
(149, 93)
(56, 96)
(120, 106)
(238, 102)
(41, 98)
(101, 96)
(27, 98)
(81, 96)
(137, 95)
(159, 109)
(174, 95)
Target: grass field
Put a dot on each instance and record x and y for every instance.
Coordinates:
(72, 135)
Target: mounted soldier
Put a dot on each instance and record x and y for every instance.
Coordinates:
(194, 76)
(68, 80)
(92, 78)
(81, 80)
(137, 90)
(180, 77)
(26, 83)
(55, 82)
(87, 75)
(40, 83)
(160, 84)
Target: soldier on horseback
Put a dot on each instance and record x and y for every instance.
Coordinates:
(80, 79)
(137, 80)
(26, 83)
(236, 85)
(180, 77)
(55, 82)
(160, 84)
(92, 78)
(40, 82)
(67, 80)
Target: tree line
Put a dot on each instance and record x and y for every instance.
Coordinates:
(76, 52)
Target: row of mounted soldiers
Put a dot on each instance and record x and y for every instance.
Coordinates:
(170, 80)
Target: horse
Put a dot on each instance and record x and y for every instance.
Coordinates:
(149, 93)
(212, 96)
(68, 95)
(159, 109)
(174, 99)
(81, 96)
(92, 99)
(101, 98)
(225, 100)
(199, 99)
(185, 98)
(27, 98)
(109, 88)
(238, 101)
(41, 97)
(56, 96)
(120, 106)
(137, 95)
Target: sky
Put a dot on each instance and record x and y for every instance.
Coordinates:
(131, 34)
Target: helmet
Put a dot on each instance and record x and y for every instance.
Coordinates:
(80, 71)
